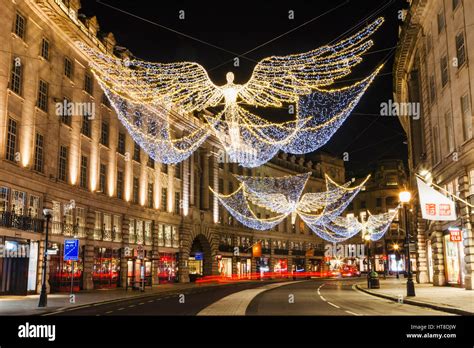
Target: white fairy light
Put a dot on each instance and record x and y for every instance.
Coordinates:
(152, 89)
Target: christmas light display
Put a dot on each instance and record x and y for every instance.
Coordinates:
(144, 94)
(321, 211)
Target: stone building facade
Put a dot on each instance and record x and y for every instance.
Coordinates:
(432, 70)
(131, 215)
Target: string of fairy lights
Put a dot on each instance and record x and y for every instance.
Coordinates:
(321, 211)
(144, 94)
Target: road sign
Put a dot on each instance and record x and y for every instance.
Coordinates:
(198, 256)
(71, 249)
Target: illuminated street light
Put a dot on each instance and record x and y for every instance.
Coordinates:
(405, 197)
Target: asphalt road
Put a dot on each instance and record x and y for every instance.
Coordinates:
(328, 297)
(313, 297)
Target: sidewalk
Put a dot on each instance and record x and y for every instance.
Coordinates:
(443, 298)
(28, 305)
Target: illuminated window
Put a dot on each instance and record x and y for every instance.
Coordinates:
(16, 80)
(135, 190)
(164, 198)
(150, 195)
(39, 153)
(62, 163)
(177, 202)
(83, 173)
(102, 178)
(119, 184)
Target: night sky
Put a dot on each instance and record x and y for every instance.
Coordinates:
(212, 34)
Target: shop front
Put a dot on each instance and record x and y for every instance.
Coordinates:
(298, 265)
(64, 275)
(263, 265)
(139, 269)
(244, 267)
(168, 268)
(280, 266)
(454, 256)
(195, 265)
(224, 265)
(18, 265)
(106, 270)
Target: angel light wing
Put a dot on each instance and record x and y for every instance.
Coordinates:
(283, 79)
(185, 85)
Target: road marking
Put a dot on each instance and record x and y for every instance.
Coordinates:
(141, 303)
(151, 300)
(108, 312)
(121, 309)
(97, 315)
(332, 304)
(353, 313)
(322, 298)
(132, 305)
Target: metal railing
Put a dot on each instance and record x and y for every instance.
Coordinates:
(22, 222)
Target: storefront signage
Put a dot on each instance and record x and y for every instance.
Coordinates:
(455, 234)
(52, 251)
(71, 249)
(198, 256)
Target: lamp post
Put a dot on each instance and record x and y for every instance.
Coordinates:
(405, 197)
(367, 239)
(43, 300)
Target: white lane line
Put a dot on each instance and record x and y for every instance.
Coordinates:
(132, 305)
(237, 303)
(108, 312)
(141, 303)
(151, 300)
(332, 304)
(322, 298)
(353, 313)
(121, 309)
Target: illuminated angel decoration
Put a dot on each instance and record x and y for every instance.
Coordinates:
(145, 93)
(282, 197)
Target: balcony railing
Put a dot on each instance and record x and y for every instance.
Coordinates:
(21, 222)
(298, 252)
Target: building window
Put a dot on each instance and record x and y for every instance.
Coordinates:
(45, 49)
(444, 71)
(135, 190)
(11, 140)
(104, 134)
(62, 165)
(378, 202)
(436, 145)
(441, 22)
(455, 4)
(449, 131)
(460, 50)
(221, 186)
(136, 152)
(177, 202)
(121, 143)
(83, 173)
(120, 184)
(39, 152)
(105, 100)
(432, 89)
(164, 198)
(102, 178)
(20, 26)
(164, 168)
(177, 170)
(43, 95)
(151, 162)
(150, 195)
(16, 81)
(86, 126)
(466, 117)
(68, 68)
(88, 83)
(65, 117)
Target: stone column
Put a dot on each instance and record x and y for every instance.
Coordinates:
(468, 235)
(155, 254)
(88, 261)
(205, 180)
(169, 204)
(126, 243)
(185, 193)
(421, 261)
(439, 278)
(185, 231)
(192, 197)
(290, 260)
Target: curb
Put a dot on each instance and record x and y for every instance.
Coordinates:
(102, 302)
(416, 303)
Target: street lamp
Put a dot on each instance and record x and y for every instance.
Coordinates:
(367, 239)
(43, 300)
(405, 197)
